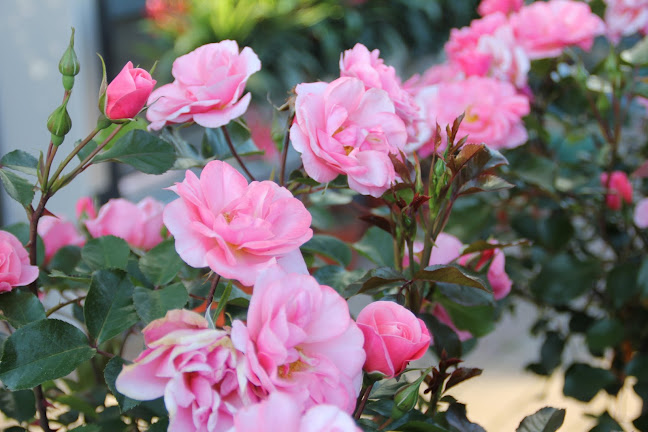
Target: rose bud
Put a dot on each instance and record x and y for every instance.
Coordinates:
(127, 94)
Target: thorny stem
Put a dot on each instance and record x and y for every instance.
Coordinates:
(74, 152)
(284, 150)
(212, 291)
(42, 409)
(235, 154)
(363, 401)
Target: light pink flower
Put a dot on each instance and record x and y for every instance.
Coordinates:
(85, 208)
(544, 29)
(126, 95)
(208, 87)
(301, 340)
(237, 229)
(446, 249)
(488, 48)
(280, 413)
(442, 315)
(341, 128)
(195, 368)
(641, 213)
(15, 269)
(57, 233)
(139, 224)
(261, 134)
(437, 73)
(493, 109)
(626, 17)
(619, 187)
(487, 7)
(368, 67)
(393, 337)
(496, 274)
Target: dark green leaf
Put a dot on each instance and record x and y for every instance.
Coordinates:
(162, 263)
(604, 333)
(20, 161)
(583, 381)
(107, 252)
(42, 351)
(545, 420)
(483, 245)
(160, 426)
(19, 405)
(330, 247)
(484, 183)
(17, 187)
(638, 54)
(214, 144)
(450, 274)
(460, 375)
(456, 417)
(478, 320)
(222, 302)
(87, 149)
(141, 150)
(382, 277)
(112, 370)
(642, 279)
(77, 403)
(20, 308)
(621, 284)
(377, 246)
(445, 339)
(563, 278)
(337, 277)
(66, 259)
(537, 170)
(465, 295)
(154, 304)
(606, 424)
(108, 308)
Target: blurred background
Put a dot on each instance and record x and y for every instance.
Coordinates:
(297, 41)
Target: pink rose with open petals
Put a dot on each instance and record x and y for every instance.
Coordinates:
(544, 29)
(235, 228)
(620, 189)
(487, 7)
(393, 337)
(57, 233)
(208, 87)
(280, 413)
(341, 128)
(195, 368)
(493, 112)
(626, 17)
(367, 66)
(139, 224)
(641, 213)
(15, 269)
(127, 94)
(300, 340)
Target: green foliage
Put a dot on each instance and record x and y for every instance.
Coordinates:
(546, 419)
(142, 150)
(154, 304)
(107, 252)
(17, 187)
(329, 247)
(162, 263)
(20, 160)
(583, 381)
(20, 308)
(112, 370)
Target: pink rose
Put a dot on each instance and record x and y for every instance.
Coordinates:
(126, 95)
(496, 274)
(85, 208)
(300, 340)
(641, 213)
(626, 17)
(139, 224)
(209, 83)
(544, 29)
(368, 67)
(234, 228)
(487, 7)
(493, 112)
(15, 269)
(341, 128)
(620, 189)
(57, 233)
(195, 368)
(393, 337)
(442, 315)
(280, 413)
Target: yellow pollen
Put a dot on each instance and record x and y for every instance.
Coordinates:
(228, 217)
(286, 371)
(470, 117)
(348, 149)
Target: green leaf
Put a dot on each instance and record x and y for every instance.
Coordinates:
(143, 151)
(87, 149)
(376, 245)
(606, 423)
(638, 54)
(159, 426)
(621, 283)
(465, 295)
(21, 308)
(563, 278)
(550, 354)
(604, 333)
(444, 337)
(77, 403)
(379, 278)
(583, 382)
(330, 247)
(19, 405)
(42, 351)
(536, 170)
(154, 304)
(642, 279)
(214, 144)
(456, 417)
(162, 263)
(545, 420)
(108, 309)
(484, 183)
(478, 320)
(450, 274)
(66, 259)
(112, 370)
(20, 161)
(17, 187)
(107, 252)
(337, 277)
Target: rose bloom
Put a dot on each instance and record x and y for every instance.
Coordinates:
(493, 112)
(488, 48)
(85, 208)
(208, 87)
(235, 228)
(15, 269)
(544, 29)
(620, 189)
(280, 413)
(496, 274)
(368, 67)
(393, 337)
(487, 7)
(641, 213)
(127, 94)
(626, 17)
(195, 368)
(57, 233)
(341, 128)
(140, 224)
(300, 340)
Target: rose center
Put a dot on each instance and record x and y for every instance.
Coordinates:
(470, 116)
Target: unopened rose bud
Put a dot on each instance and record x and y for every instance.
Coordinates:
(127, 94)
(59, 122)
(407, 397)
(69, 65)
